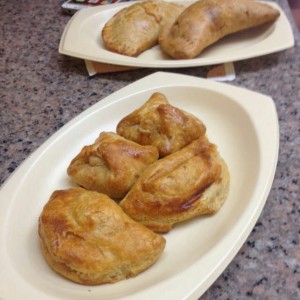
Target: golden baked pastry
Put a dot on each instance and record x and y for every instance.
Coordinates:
(190, 182)
(160, 124)
(205, 22)
(135, 28)
(111, 165)
(86, 237)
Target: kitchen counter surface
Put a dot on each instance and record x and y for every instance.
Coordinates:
(42, 90)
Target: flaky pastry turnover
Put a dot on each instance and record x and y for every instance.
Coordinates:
(161, 124)
(111, 165)
(86, 237)
(191, 182)
(206, 21)
(135, 28)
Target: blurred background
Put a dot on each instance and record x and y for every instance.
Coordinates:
(295, 7)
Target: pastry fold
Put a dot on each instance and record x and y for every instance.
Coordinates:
(206, 21)
(190, 182)
(111, 165)
(160, 124)
(135, 28)
(86, 237)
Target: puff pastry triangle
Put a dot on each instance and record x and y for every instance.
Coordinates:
(111, 165)
(161, 124)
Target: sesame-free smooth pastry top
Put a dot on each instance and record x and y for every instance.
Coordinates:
(161, 124)
(135, 28)
(86, 237)
(111, 165)
(190, 182)
(206, 21)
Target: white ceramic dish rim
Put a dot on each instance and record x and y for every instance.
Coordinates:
(185, 284)
(76, 42)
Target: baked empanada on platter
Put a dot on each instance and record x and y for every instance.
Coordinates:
(161, 124)
(86, 237)
(135, 28)
(191, 182)
(206, 21)
(111, 165)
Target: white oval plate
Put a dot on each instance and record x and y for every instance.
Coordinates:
(82, 38)
(242, 123)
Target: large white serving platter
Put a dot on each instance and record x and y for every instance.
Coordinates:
(242, 123)
(82, 38)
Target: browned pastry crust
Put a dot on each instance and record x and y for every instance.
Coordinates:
(86, 237)
(135, 29)
(191, 182)
(206, 21)
(111, 165)
(160, 124)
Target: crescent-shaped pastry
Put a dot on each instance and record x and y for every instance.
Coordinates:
(135, 28)
(111, 165)
(206, 21)
(86, 237)
(160, 124)
(188, 183)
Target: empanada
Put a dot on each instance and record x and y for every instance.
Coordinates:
(160, 124)
(111, 165)
(190, 182)
(206, 21)
(135, 28)
(86, 237)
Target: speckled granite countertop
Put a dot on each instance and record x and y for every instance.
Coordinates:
(42, 90)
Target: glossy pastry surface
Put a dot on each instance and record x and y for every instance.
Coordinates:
(190, 182)
(86, 237)
(160, 124)
(111, 165)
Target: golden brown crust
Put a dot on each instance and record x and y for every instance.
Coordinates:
(135, 28)
(205, 22)
(86, 237)
(160, 124)
(191, 182)
(111, 165)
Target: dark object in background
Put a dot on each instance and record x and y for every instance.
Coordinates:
(295, 8)
(71, 6)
